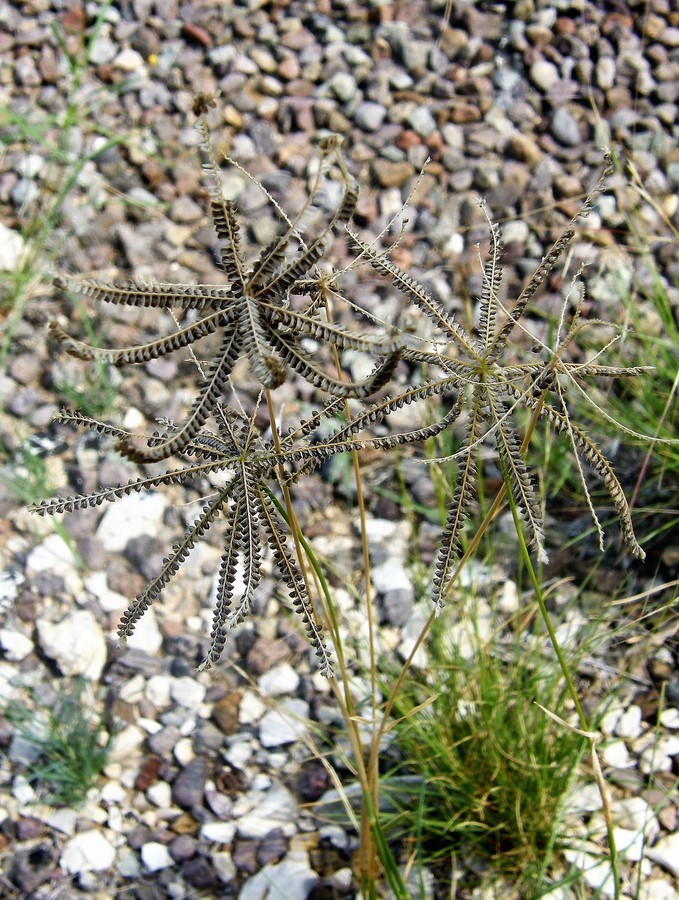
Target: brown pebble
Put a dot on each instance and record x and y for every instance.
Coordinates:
(73, 21)
(196, 34)
(407, 139)
(185, 824)
(465, 113)
(288, 69)
(392, 174)
(225, 712)
(524, 148)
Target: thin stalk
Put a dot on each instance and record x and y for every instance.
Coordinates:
(370, 849)
(563, 665)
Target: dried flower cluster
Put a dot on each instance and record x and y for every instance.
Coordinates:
(267, 309)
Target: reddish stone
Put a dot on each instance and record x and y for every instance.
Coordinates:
(407, 139)
(73, 21)
(196, 34)
(465, 113)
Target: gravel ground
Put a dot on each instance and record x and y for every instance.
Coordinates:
(206, 787)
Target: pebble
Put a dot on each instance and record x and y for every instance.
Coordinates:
(76, 643)
(291, 878)
(218, 832)
(15, 645)
(130, 517)
(564, 128)
(281, 679)
(285, 724)
(343, 86)
(276, 808)
(187, 692)
(665, 852)
(55, 557)
(629, 724)
(422, 122)
(369, 116)
(544, 75)
(189, 785)
(155, 856)
(88, 851)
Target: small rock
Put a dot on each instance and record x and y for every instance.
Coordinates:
(629, 723)
(285, 724)
(280, 680)
(63, 820)
(77, 644)
(665, 852)
(200, 874)
(225, 712)
(187, 692)
(15, 645)
(53, 556)
(218, 832)
(184, 847)
(160, 794)
(155, 856)
(422, 122)
(124, 743)
(604, 72)
(276, 809)
(392, 174)
(88, 851)
(369, 116)
(343, 86)
(615, 754)
(130, 517)
(564, 128)
(292, 878)
(544, 75)
(128, 60)
(189, 785)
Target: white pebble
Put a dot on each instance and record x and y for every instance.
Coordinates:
(155, 856)
(11, 248)
(77, 644)
(285, 724)
(218, 832)
(250, 708)
(158, 690)
(160, 794)
(615, 754)
(88, 851)
(129, 518)
(666, 853)
(125, 743)
(187, 692)
(129, 60)
(183, 751)
(280, 680)
(629, 723)
(15, 645)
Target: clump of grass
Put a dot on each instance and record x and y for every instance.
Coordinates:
(493, 769)
(72, 744)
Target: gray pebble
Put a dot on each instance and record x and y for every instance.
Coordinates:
(369, 116)
(422, 122)
(189, 785)
(564, 128)
(343, 86)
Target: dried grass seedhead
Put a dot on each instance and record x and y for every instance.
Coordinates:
(258, 315)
